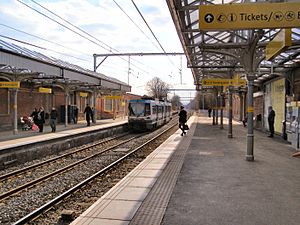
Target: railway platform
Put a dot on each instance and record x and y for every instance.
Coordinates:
(8, 139)
(30, 145)
(203, 178)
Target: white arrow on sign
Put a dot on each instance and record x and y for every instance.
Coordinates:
(209, 18)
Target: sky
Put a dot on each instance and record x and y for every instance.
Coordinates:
(107, 28)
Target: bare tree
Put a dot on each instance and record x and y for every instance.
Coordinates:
(157, 88)
(176, 103)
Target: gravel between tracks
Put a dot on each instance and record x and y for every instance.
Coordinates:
(21, 204)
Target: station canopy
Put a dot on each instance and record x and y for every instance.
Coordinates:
(22, 64)
(222, 53)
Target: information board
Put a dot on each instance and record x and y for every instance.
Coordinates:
(249, 16)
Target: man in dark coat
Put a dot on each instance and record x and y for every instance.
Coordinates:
(182, 119)
(41, 119)
(53, 117)
(271, 119)
(88, 114)
(75, 114)
(34, 116)
(209, 112)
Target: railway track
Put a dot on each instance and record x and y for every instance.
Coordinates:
(21, 179)
(107, 161)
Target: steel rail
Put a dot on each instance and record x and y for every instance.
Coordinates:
(23, 170)
(64, 169)
(59, 198)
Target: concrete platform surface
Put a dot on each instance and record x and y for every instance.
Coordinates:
(205, 180)
(10, 140)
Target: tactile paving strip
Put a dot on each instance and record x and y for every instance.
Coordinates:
(154, 206)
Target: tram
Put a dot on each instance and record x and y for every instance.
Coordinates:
(148, 114)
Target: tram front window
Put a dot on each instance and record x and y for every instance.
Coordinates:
(147, 109)
(136, 109)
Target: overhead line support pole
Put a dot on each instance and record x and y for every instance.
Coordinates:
(139, 54)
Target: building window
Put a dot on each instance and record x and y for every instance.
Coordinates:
(108, 105)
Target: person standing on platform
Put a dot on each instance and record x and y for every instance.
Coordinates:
(93, 115)
(182, 119)
(53, 117)
(271, 119)
(41, 119)
(245, 120)
(209, 112)
(34, 116)
(75, 115)
(88, 114)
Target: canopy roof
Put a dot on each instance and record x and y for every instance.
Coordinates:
(16, 60)
(222, 53)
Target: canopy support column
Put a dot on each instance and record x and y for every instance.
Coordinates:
(66, 107)
(250, 134)
(15, 111)
(230, 112)
(241, 106)
(221, 108)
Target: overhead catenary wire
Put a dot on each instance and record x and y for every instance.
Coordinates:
(151, 30)
(117, 67)
(43, 48)
(43, 39)
(111, 49)
(136, 24)
(43, 14)
(148, 25)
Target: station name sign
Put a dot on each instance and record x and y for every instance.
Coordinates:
(45, 90)
(113, 97)
(249, 16)
(10, 84)
(83, 94)
(223, 82)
